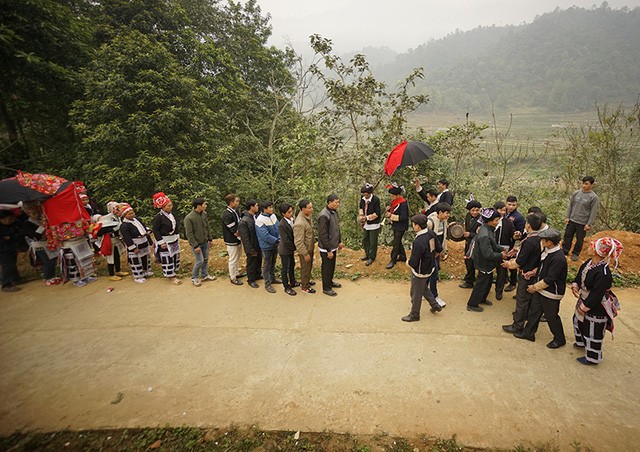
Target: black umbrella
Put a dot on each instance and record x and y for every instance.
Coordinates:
(406, 154)
(30, 187)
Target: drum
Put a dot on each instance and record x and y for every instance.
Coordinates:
(455, 232)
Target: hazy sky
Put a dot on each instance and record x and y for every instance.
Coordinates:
(400, 24)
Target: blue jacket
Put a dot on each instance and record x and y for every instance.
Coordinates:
(267, 231)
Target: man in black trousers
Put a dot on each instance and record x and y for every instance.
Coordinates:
(487, 254)
(548, 290)
(329, 243)
(247, 230)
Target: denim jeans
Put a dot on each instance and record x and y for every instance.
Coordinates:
(201, 261)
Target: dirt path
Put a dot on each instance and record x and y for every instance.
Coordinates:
(221, 354)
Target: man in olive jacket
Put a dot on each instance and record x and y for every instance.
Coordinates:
(198, 234)
(304, 240)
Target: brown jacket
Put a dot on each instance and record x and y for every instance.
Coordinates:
(303, 235)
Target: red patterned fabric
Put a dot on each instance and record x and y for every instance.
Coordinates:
(66, 216)
(44, 183)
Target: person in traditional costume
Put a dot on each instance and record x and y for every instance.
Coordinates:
(438, 223)
(108, 240)
(137, 238)
(597, 305)
(39, 254)
(165, 231)
(369, 217)
(398, 215)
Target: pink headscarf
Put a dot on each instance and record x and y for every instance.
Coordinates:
(607, 247)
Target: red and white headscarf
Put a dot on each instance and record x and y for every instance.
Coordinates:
(607, 247)
(114, 207)
(160, 200)
(125, 208)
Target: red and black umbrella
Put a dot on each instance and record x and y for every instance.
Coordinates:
(30, 187)
(406, 154)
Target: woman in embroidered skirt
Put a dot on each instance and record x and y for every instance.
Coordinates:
(596, 306)
(137, 238)
(165, 230)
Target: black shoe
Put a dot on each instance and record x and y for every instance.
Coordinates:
(330, 292)
(290, 292)
(487, 302)
(436, 308)
(390, 265)
(309, 290)
(236, 282)
(410, 318)
(556, 344)
(465, 285)
(312, 283)
(369, 262)
(295, 284)
(475, 308)
(511, 329)
(583, 360)
(336, 285)
(509, 288)
(241, 275)
(253, 284)
(364, 258)
(277, 281)
(543, 318)
(270, 289)
(521, 335)
(498, 295)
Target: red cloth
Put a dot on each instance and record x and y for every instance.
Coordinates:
(396, 202)
(65, 207)
(106, 249)
(395, 158)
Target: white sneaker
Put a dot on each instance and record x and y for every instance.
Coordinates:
(149, 273)
(140, 280)
(80, 283)
(209, 278)
(441, 302)
(196, 282)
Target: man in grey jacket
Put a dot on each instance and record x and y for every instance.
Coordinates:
(198, 233)
(580, 216)
(329, 242)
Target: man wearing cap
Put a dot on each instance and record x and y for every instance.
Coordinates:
(422, 262)
(487, 254)
(196, 228)
(551, 281)
(369, 217)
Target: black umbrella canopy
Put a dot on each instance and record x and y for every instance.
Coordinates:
(30, 187)
(407, 154)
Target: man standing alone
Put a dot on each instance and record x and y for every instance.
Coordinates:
(581, 214)
(329, 242)
(198, 233)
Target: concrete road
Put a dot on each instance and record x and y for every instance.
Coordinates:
(156, 355)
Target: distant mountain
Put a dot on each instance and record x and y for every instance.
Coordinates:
(565, 60)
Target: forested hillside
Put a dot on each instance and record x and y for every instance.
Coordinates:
(564, 60)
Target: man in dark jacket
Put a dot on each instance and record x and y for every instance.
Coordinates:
(369, 217)
(548, 290)
(471, 226)
(329, 243)
(486, 256)
(10, 237)
(287, 249)
(504, 237)
(230, 220)
(422, 263)
(398, 215)
(247, 229)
